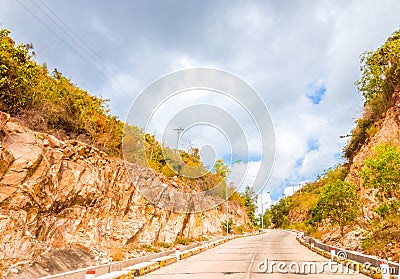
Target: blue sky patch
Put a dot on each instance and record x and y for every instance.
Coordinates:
(299, 162)
(313, 144)
(232, 158)
(317, 92)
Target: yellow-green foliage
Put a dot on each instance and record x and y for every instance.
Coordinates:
(51, 103)
(186, 166)
(382, 172)
(183, 240)
(296, 211)
(359, 134)
(380, 78)
(235, 196)
(338, 203)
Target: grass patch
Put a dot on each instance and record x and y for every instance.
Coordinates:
(149, 248)
(163, 245)
(183, 241)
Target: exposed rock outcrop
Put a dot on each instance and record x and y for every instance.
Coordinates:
(57, 195)
(388, 131)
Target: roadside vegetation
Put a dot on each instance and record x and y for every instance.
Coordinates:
(49, 102)
(331, 202)
(46, 101)
(381, 172)
(327, 201)
(379, 84)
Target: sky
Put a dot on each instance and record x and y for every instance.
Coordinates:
(301, 57)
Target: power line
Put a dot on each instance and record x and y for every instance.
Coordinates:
(61, 28)
(88, 50)
(73, 32)
(273, 178)
(60, 38)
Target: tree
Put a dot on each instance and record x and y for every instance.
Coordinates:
(267, 218)
(279, 213)
(250, 197)
(338, 203)
(382, 172)
(381, 70)
(221, 169)
(379, 83)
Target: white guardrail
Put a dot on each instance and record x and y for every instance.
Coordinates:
(130, 268)
(371, 266)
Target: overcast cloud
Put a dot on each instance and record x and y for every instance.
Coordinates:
(302, 57)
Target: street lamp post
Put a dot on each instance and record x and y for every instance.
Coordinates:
(262, 211)
(227, 212)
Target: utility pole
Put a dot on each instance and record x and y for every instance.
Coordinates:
(179, 130)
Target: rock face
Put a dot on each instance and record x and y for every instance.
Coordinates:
(57, 195)
(388, 132)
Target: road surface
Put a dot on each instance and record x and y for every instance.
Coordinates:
(241, 258)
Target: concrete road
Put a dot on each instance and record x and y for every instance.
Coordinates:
(241, 258)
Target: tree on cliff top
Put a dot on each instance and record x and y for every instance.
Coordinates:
(381, 70)
(379, 82)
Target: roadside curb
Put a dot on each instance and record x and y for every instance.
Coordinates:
(370, 271)
(146, 266)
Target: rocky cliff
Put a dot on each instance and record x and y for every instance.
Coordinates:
(68, 197)
(388, 131)
(383, 239)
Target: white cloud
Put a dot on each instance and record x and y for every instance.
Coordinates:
(244, 174)
(279, 48)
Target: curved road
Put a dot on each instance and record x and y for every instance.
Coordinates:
(241, 258)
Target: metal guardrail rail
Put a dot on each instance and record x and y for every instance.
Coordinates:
(117, 266)
(352, 255)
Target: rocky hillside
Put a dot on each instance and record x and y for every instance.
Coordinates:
(370, 232)
(356, 205)
(65, 198)
(387, 131)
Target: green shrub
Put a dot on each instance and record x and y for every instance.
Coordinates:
(51, 103)
(230, 226)
(183, 241)
(163, 245)
(338, 203)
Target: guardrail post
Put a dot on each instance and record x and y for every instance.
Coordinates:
(177, 253)
(385, 270)
(90, 274)
(333, 252)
